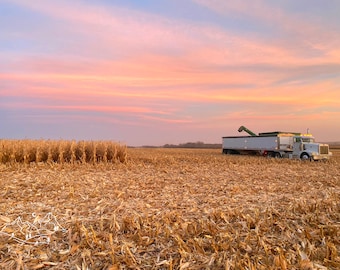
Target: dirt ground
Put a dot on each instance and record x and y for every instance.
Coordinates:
(172, 209)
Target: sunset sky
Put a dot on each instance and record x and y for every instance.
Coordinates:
(155, 72)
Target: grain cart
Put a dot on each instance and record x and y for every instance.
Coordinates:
(277, 144)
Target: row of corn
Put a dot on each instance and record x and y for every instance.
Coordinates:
(61, 151)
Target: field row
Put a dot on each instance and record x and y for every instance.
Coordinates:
(60, 151)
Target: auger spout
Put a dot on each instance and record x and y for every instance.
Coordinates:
(243, 128)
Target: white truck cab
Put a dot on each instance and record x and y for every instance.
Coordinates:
(305, 148)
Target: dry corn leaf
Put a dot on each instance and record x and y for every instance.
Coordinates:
(4, 219)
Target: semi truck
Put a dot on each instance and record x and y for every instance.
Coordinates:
(276, 144)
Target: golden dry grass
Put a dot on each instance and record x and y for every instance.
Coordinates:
(171, 209)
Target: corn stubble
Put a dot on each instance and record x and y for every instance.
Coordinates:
(171, 209)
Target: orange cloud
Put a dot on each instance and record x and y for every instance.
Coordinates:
(127, 62)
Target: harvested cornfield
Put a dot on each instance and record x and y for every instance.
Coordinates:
(61, 151)
(171, 209)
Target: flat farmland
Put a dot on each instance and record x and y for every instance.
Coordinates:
(171, 209)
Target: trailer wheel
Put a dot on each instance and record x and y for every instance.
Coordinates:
(226, 151)
(305, 156)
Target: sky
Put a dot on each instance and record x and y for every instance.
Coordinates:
(167, 72)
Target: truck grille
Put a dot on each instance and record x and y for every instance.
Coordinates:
(323, 149)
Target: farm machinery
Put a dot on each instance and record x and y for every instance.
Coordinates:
(277, 144)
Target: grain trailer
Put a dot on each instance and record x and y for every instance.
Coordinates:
(277, 144)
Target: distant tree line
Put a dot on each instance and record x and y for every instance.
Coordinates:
(202, 145)
(334, 145)
(194, 145)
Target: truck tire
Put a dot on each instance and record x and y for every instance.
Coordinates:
(305, 156)
(277, 155)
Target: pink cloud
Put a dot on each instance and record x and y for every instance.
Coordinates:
(179, 46)
(133, 32)
(170, 85)
(299, 34)
(126, 30)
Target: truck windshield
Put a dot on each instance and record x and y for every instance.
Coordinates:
(308, 140)
(304, 139)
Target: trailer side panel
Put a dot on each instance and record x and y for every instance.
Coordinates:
(250, 143)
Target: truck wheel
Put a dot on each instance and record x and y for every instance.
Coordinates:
(305, 156)
(277, 155)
